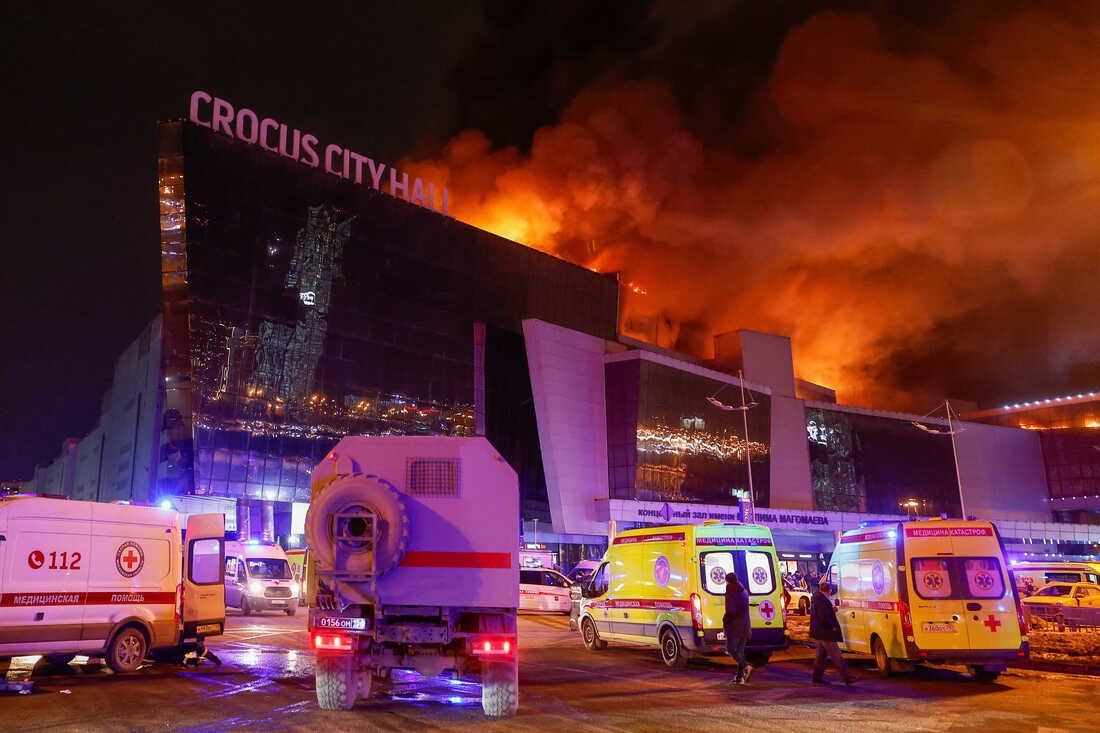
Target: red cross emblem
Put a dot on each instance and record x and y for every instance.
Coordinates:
(992, 622)
(129, 559)
(767, 610)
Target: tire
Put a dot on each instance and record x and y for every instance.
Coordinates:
(500, 687)
(348, 494)
(882, 660)
(980, 674)
(591, 637)
(246, 607)
(672, 651)
(803, 607)
(291, 611)
(757, 659)
(337, 682)
(127, 650)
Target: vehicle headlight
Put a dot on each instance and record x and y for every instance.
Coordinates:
(294, 589)
(255, 587)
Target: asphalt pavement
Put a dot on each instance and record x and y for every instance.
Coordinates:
(264, 682)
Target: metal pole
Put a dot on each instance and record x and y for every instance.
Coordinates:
(748, 450)
(955, 455)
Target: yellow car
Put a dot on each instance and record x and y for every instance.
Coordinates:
(1049, 601)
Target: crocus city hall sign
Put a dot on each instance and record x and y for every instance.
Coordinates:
(275, 137)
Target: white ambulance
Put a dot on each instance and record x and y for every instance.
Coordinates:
(106, 580)
(258, 577)
(931, 591)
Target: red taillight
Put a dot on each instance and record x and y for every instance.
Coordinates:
(492, 647)
(906, 619)
(333, 642)
(696, 612)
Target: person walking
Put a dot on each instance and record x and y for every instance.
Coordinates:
(825, 630)
(738, 626)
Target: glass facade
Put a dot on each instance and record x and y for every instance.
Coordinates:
(868, 463)
(300, 308)
(666, 442)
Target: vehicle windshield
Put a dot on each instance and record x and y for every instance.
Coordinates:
(268, 569)
(1054, 590)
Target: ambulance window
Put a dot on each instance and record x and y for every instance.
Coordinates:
(716, 566)
(231, 566)
(834, 580)
(849, 578)
(983, 577)
(761, 577)
(598, 585)
(932, 577)
(205, 566)
(529, 577)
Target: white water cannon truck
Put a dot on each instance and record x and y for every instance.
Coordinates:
(414, 552)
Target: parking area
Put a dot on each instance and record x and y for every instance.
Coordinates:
(265, 682)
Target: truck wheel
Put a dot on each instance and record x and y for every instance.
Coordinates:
(127, 650)
(592, 640)
(500, 687)
(803, 607)
(882, 659)
(672, 652)
(981, 674)
(337, 682)
(757, 659)
(359, 492)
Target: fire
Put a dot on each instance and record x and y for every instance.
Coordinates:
(910, 225)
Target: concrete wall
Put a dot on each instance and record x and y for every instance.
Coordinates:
(131, 420)
(791, 487)
(88, 454)
(1003, 476)
(567, 383)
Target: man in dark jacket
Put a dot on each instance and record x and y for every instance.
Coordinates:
(825, 629)
(738, 626)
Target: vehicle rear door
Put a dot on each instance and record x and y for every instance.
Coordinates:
(989, 606)
(938, 614)
(204, 575)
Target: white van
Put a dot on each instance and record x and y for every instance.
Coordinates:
(106, 580)
(931, 591)
(258, 577)
(1035, 574)
(544, 590)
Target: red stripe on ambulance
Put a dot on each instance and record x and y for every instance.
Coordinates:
(10, 600)
(662, 537)
(424, 559)
(948, 531)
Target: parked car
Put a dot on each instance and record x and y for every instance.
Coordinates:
(1051, 600)
(544, 590)
(799, 598)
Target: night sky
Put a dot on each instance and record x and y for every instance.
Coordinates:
(1011, 317)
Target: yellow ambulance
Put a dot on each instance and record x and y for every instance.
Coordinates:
(664, 587)
(928, 591)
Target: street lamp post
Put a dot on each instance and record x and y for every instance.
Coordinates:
(951, 431)
(744, 407)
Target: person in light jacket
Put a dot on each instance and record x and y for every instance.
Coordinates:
(738, 626)
(825, 630)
